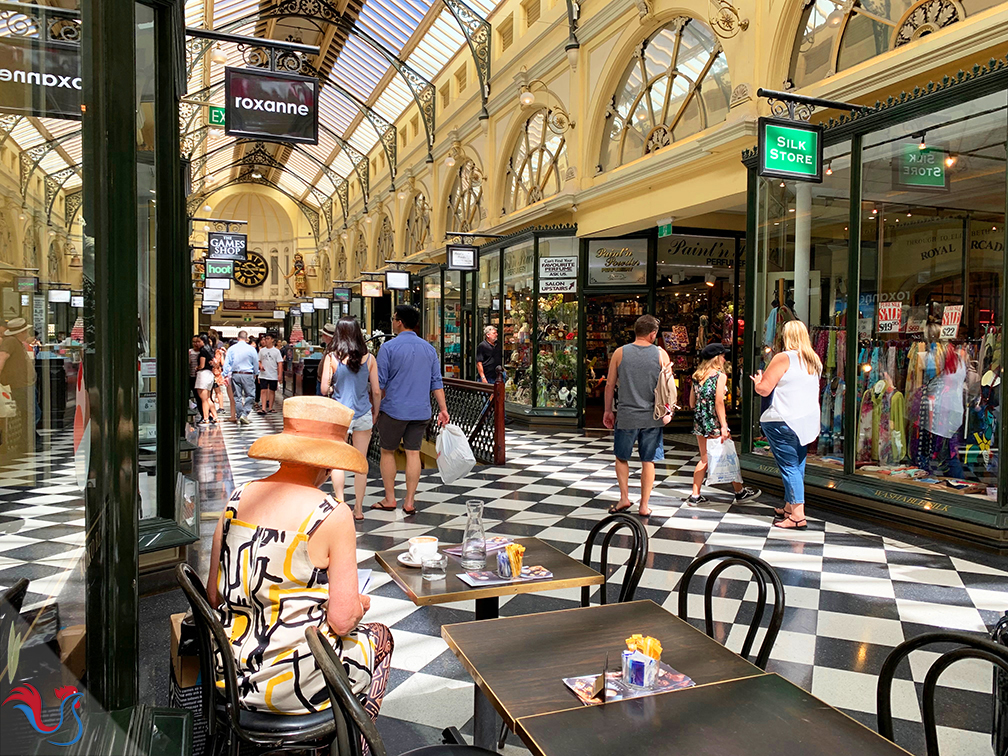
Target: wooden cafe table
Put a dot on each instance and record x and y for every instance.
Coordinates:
(519, 662)
(567, 573)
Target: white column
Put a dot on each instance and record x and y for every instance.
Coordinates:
(802, 253)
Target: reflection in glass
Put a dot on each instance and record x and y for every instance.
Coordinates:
(557, 360)
(516, 331)
(452, 299)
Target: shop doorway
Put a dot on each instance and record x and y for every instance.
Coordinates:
(381, 314)
(609, 321)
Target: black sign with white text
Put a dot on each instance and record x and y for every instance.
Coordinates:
(40, 79)
(227, 246)
(278, 107)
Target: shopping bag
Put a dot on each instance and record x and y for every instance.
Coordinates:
(454, 456)
(8, 407)
(722, 462)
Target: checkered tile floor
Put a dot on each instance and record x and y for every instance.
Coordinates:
(853, 593)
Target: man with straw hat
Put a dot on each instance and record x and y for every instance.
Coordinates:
(296, 533)
(18, 371)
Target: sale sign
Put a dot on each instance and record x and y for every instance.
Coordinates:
(889, 314)
(951, 318)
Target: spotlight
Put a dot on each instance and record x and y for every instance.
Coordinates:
(782, 184)
(218, 56)
(866, 367)
(829, 169)
(874, 211)
(950, 160)
(709, 279)
(909, 214)
(923, 144)
(526, 98)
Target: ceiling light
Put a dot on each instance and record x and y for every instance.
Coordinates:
(909, 214)
(367, 219)
(923, 144)
(709, 279)
(791, 209)
(829, 169)
(782, 184)
(402, 194)
(449, 161)
(526, 98)
(345, 235)
(206, 228)
(218, 56)
(950, 160)
(207, 208)
(835, 18)
(256, 175)
(874, 211)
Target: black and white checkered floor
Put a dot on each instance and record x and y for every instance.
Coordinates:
(852, 592)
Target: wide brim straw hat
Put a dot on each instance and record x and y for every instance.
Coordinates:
(314, 431)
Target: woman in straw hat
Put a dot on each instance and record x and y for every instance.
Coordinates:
(285, 557)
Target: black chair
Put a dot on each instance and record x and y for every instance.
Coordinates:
(762, 572)
(227, 721)
(353, 723)
(634, 563)
(970, 647)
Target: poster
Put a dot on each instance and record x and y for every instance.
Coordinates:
(552, 268)
(951, 317)
(889, 314)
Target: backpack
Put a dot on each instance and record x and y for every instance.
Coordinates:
(666, 393)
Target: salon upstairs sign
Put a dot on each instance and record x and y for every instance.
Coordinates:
(790, 150)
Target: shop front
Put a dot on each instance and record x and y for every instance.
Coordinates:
(895, 261)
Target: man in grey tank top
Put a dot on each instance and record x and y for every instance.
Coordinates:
(636, 367)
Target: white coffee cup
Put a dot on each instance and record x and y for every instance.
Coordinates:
(422, 546)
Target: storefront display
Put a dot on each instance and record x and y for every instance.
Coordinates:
(516, 323)
(556, 377)
(452, 303)
(906, 313)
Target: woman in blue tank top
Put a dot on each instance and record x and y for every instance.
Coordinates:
(350, 376)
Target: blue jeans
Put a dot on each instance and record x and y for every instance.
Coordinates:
(243, 386)
(650, 443)
(789, 454)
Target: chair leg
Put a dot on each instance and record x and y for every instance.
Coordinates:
(452, 736)
(503, 736)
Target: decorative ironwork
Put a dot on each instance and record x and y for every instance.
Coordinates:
(725, 20)
(926, 18)
(195, 49)
(477, 33)
(31, 158)
(40, 22)
(8, 121)
(537, 164)
(417, 225)
(327, 208)
(54, 182)
(794, 111)
(71, 206)
(343, 194)
(386, 239)
(465, 201)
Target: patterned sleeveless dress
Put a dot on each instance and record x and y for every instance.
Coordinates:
(270, 592)
(705, 421)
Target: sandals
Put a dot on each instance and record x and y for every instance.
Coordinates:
(615, 508)
(779, 514)
(378, 505)
(801, 524)
(359, 519)
(408, 512)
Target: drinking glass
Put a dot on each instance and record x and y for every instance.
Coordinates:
(434, 567)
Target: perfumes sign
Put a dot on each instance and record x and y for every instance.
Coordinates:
(618, 262)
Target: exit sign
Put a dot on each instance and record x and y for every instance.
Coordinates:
(216, 116)
(664, 230)
(790, 150)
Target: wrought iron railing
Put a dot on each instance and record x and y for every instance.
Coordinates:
(478, 409)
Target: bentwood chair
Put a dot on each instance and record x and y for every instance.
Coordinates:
(634, 563)
(762, 572)
(353, 725)
(228, 724)
(969, 647)
(10, 608)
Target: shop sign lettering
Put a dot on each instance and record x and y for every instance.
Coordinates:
(557, 267)
(711, 251)
(557, 286)
(269, 105)
(219, 268)
(911, 500)
(889, 314)
(227, 246)
(951, 318)
(40, 79)
(790, 150)
(249, 304)
(915, 168)
(617, 263)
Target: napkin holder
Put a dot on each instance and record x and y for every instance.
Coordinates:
(639, 669)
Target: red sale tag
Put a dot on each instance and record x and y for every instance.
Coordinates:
(951, 318)
(889, 314)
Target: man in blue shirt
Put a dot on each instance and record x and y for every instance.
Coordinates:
(241, 368)
(408, 372)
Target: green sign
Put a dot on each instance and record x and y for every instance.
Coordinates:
(915, 168)
(790, 150)
(665, 230)
(216, 116)
(219, 268)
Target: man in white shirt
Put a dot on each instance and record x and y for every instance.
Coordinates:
(241, 366)
(270, 373)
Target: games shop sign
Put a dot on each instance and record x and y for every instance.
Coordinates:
(227, 246)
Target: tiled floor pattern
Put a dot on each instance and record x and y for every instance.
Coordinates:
(852, 594)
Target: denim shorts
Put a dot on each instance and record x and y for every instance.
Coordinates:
(650, 446)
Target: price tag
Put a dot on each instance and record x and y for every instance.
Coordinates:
(951, 318)
(889, 314)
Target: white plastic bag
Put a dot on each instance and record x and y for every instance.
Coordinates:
(8, 407)
(722, 462)
(454, 456)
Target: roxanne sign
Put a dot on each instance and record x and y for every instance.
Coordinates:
(272, 106)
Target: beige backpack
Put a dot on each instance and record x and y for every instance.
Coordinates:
(665, 394)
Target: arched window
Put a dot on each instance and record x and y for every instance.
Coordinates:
(386, 240)
(418, 225)
(341, 264)
(360, 253)
(538, 162)
(835, 35)
(676, 85)
(465, 203)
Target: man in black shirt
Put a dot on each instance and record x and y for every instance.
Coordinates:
(488, 356)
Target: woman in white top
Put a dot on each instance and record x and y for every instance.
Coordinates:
(791, 422)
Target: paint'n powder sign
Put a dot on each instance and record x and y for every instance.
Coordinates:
(617, 262)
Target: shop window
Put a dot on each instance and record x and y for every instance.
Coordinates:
(532, 12)
(538, 162)
(516, 327)
(461, 79)
(929, 311)
(386, 240)
(488, 307)
(505, 32)
(834, 35)
(431, 311)
(676, 84)
(465, 201)
(418, 225)
(801, 271)
(452, 303)
(557, 358)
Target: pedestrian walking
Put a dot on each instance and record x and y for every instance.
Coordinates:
(205, 381)
(409, 371)
(240, 369)
(791, 422)
(489, 356)
(350, 376)
(326, 336)
(635, 368)
(270, 373)
(707, 398)
(194, 347)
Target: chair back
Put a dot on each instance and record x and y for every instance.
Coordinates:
(212, 641)
(969, 647)
(10, 607)
(634, 564)
(762, 572)
(352, 721)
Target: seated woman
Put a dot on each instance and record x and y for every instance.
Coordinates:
(285, 557)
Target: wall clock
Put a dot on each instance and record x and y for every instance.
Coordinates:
(252, 272)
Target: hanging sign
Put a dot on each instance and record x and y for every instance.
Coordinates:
(40, 79)
(27, 283)
(617, 262)
(889, 314)
(462, 257)
(557, 286)
(278, 107)
(551, 268)
(951, 318)
(278, 314)
(148, 367)
(219, 268)
(340, 294)
(790, 150)
(249, 304)
(915, 168)
(371, 289)
(227, 246)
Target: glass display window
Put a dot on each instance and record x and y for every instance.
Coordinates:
(558, 357)
(609, 322)
(452, 304)
(516, 322)
(431, 291)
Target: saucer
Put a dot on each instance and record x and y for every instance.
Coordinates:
(406, 560)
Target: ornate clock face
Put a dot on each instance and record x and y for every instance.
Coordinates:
(252, 272)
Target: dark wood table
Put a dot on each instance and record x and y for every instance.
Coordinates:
(519, 662)
(756, 716)
(567, 573)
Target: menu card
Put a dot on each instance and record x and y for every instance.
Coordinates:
(488, 577)
(616, 690)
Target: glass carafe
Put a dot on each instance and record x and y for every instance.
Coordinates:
(474, 542)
